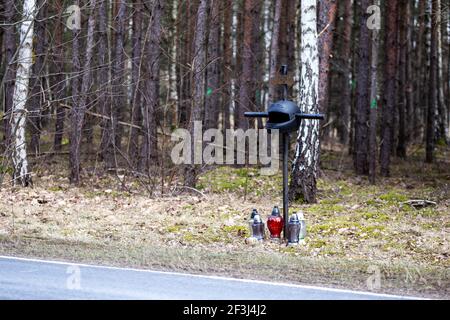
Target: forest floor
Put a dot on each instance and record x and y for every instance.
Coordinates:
(355, 231)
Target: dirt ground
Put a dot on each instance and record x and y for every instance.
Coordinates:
(354, 233)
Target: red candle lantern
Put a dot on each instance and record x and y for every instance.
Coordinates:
(275, 223)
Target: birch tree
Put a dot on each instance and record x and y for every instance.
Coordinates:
(25, 60)
(305, 166)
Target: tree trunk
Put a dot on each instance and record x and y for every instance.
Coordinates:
(420, 81)
(133, 148)
(104, 96)
(402, 109)
(227, 62)
(79, 107)
(389, 90)
(184, 55)
(247, 88)
(442, 108)
(327, 18)
(238, 62)
(274, 51)
(21, 174)
(198, 81)
(118, 102)
(258, 42)
(37, 87)
(433, 85)
(149, 149)
(282, 36)
(345, 55)
(59, 87)
(373, 105)
(305, 166)
(354, 67)
(409, 90)
(212, 71)
(362, 94)
(445, 44)
(10, 49)
(291, 15)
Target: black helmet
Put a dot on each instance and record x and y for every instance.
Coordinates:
(282, 116)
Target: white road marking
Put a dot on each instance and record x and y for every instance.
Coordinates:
(381, 295)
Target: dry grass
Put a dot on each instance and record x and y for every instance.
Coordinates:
(354, 226)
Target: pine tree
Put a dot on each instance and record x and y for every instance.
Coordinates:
(389, 89)
(198, 65)
(79, 107)
(149, 148)
(362, 94)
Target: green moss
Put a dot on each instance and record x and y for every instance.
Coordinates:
(55, 188)
(428, 212)
(425, 212)
(190, 237)
(240, 231)
(188, 207)
(317, 243)
(331, 252)
(430, 226)
(372, 231)
(6, 170)
(236, 180)
(375, 216)
(174, 229)
(330, 201)
(246, 172)
(290, 250)
(373, 202)
(325, 208)
(319, 228)
(393, 245)
(441, 142)
(393, 197)
(344, 188)
(208, 236)
(103, 193)
(223, 183)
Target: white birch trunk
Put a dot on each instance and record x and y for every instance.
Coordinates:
(307, 152)
(19, 152)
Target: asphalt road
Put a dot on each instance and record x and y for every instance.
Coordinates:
(22, 278)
